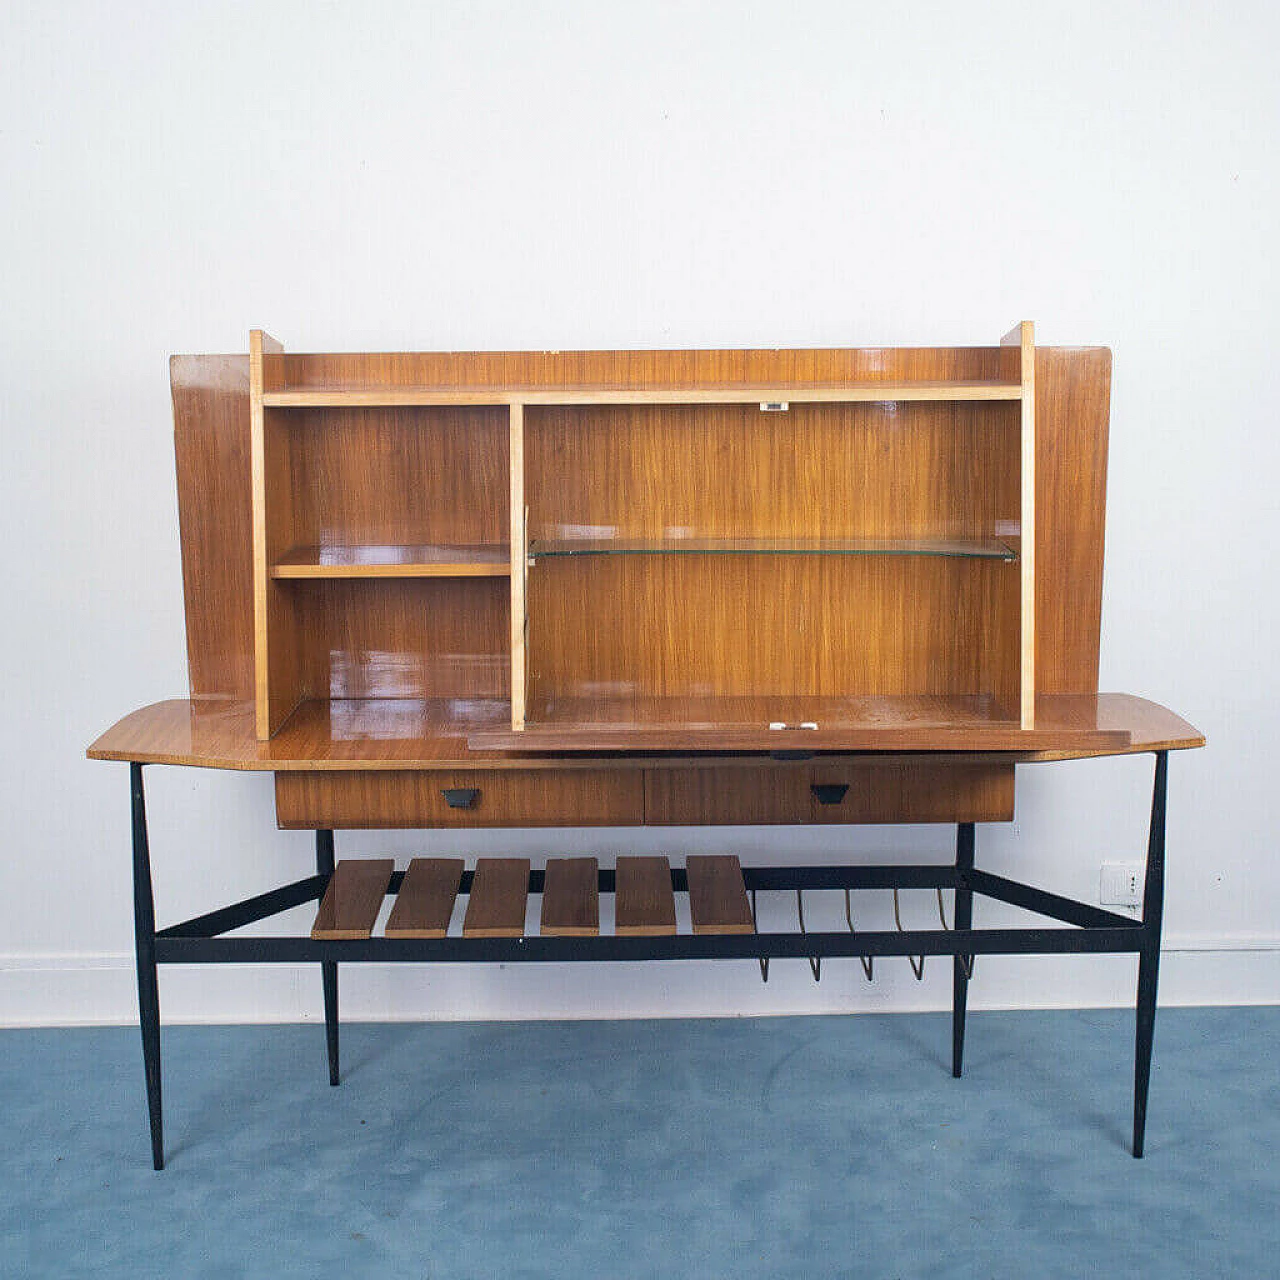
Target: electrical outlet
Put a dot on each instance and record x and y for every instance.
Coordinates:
(1120, 884)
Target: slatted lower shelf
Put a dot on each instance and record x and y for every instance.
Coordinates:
(498, 892)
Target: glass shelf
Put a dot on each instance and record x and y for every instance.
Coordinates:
(963, 548)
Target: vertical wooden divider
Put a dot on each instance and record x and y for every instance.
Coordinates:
(260, 344)
(1023, 337)
(519, 561)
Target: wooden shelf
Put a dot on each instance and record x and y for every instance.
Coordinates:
(902, 723)
(436, 560)
(389, 733)
(809, 393)
(964, 548)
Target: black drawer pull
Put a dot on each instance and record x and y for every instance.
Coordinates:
(829, 792)
(461, 797)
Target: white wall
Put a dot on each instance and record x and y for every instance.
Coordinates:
(381, 177)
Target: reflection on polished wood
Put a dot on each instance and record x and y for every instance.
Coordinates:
(433, 734)
(901, 723)
(419, 560)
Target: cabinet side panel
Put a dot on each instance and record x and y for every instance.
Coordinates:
(1073, 404)
(211, 447)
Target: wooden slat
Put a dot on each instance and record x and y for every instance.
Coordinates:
(571, 898)
(717, 897)
(645, 906)
(424, 904)
(353, 899)
(498, 895)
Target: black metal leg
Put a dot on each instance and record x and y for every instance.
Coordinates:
(144, 933)
(1149, 957)
(329, 968)
(962, 964)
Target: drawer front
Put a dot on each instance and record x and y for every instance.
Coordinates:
(843, 792)
(464, 798)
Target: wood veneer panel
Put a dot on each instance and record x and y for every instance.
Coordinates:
(424, 905)
(717, 895)
(510, 798)
(772, 393)
(215, 517)
(353, 899)
(398, 476)
(890, 791)
(384, 736)
(808, 626)
(817, 471)
(571, 898)
(1073, 397)
(401, 638)
(532, 369)
(785, 627)
(645, 905)
(499, 892)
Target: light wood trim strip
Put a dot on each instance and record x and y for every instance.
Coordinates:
(571, 898)
(1024, 337)
(260, 343)
(499, 893)
(644, 904)
(519, 561)
(717, 895)
(304, 562)
(852, 393)
(353, 899)
(424, 905)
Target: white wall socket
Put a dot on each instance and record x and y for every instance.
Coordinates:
(1121, 884)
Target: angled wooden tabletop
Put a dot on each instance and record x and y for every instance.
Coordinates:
(423, 734)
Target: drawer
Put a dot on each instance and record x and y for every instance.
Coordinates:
(461, 798)
(841, 792)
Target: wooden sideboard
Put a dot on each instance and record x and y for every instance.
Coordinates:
(668, 588)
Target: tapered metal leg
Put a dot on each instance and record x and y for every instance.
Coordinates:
(329, 968)
(1149, 958)
(144, 934)
(962, 964)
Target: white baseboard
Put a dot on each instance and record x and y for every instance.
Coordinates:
(78, 990)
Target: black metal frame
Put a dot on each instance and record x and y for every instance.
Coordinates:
(201, 940)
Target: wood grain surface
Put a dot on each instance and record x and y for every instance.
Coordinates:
(717, 896)
(499, 893)
(385, 734)
(424, 905)
(571, 898)
(644, 904)
(353, 899)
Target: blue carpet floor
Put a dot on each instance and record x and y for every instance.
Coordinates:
(740, 1148)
